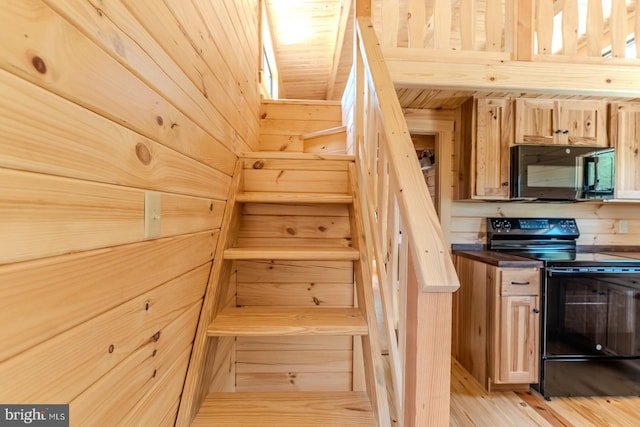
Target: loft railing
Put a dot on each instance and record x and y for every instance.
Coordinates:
(415, 271)
(523, 29)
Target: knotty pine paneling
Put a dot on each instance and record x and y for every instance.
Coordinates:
(282, 123)
(102, 101)
(49, 372)
(223, 364)
(136, 375)
(68, 290)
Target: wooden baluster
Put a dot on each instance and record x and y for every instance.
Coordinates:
(544, 26)
(390, 22)
(595, 26)
(636, 32)
(570, 27)
(494, 25)
(521, 12)
(417, 23)
(618, 25)
(468, 24)
(442, 22)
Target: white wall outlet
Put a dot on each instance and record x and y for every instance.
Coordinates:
(623, 226)
(151, 214)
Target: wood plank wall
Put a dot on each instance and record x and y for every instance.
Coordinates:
(283, 122)
(102, 102)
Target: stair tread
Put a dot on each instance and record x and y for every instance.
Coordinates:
(270, 321)
(294, 253)
(276, 197)
(286, 409)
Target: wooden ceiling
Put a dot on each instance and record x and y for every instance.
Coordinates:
(313, 46)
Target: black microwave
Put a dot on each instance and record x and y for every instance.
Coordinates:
(561, 172)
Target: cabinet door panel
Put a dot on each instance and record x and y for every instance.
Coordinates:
(493, 140)
(546, 121)
(582, 123)
(535, 121)
(625, 124)
(519, 340)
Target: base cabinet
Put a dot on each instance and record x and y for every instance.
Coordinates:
(497, 337)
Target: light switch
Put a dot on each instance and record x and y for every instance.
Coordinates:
(151, 214)
(623, 226)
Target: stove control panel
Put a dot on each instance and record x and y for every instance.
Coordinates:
(566, 227)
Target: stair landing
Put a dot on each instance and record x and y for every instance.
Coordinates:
(309, 409)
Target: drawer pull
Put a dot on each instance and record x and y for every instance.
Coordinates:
(521, 283)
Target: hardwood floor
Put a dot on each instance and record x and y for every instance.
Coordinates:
(471, 405)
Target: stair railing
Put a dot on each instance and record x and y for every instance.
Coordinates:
(414, 267)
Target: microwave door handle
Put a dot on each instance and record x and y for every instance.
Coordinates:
(588, 184)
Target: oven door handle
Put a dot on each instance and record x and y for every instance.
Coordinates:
(552, 271)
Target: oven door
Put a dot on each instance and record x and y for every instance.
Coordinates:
(593, 315)
(590, 344)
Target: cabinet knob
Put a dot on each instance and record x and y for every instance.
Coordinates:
(565, 132)
(536, 310)
(558, 131)
(505, 184)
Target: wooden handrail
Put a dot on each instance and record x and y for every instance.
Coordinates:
(415, 271)
(434, 266)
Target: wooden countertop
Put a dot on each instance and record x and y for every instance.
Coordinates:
(499, 259)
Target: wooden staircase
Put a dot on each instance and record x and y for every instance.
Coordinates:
(291, 335)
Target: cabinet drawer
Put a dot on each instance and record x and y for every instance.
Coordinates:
(520, 281)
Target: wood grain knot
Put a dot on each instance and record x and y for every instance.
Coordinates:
(259, 164)
(291, 231)
(159, 120)
(112, 348)
(156, 336)
(39, 65)
(143, 153)
(322, 228)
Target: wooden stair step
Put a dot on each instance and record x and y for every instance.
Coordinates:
(294, 254)
(271, 321)
(275, 197)
(309, 409)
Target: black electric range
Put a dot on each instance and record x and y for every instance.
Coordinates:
(590, 308)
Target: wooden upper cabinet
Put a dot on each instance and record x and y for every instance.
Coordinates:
(625, 137)
(493, 139)
(569, 122)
